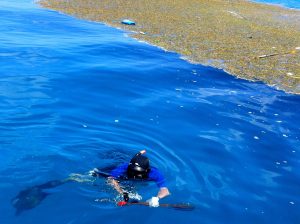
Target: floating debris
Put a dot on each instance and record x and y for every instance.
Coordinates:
(236, 14)
(128, 22)
(275, 54)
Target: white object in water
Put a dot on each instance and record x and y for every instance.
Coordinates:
(128, 22)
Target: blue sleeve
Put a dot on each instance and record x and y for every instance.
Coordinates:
(119, 171)
(158, 177)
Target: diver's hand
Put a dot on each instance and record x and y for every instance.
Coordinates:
(153, 202)
(125, 196)
(93, 172)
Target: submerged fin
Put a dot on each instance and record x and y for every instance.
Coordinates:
(28, 199)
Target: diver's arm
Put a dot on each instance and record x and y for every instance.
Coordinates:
(117, 173)
(154, 201)
(163, 192)
(115, 185)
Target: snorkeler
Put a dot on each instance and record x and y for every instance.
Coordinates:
(137, 169)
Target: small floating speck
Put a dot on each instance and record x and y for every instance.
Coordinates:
(141, 32)
(292, 203)
(128, 22)
(275, 114)
(239, 105)
(263, 132)
(181, 106)
(217, 124)
(151, 119)
(284, 161)
(255, 137)
(249, 112)
(279, 121)
(297, 48)
(293, 151)
(84, 126)
(290, 74)
(284, 135)
(194, 81)
(116, 121)
(277, 163)
(177, 89)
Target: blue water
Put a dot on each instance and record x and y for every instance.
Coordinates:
(285, 3)
(75, 95)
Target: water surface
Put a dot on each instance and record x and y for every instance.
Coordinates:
(76, 95)
(295, 4)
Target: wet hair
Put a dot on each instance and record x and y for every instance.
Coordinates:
(139, 167)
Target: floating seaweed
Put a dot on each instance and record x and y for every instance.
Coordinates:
(235, 32)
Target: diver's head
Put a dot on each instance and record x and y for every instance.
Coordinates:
(139, 166)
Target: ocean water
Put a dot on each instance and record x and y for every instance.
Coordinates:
(75, 95)
(295, 4)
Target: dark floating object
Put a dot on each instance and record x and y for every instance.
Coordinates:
(33, 196)
(128, 22)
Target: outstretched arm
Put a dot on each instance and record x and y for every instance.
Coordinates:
(154, 201)
(115, 185)
(161, 183)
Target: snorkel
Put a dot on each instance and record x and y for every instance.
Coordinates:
(139, 166)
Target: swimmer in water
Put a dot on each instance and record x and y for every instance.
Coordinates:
(137, 169)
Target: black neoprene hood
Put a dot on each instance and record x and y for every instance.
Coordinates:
(139, 163)
(139, 167)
